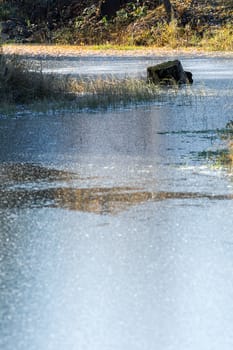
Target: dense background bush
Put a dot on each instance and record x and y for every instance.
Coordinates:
(138, 22)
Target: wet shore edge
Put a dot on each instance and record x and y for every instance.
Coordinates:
(37, 50)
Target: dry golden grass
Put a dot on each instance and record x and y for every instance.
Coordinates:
(21, 83)
(38, 50)
(76, 50)
(220, 39)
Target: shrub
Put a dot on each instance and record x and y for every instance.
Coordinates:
(162, 34)
(219, 39)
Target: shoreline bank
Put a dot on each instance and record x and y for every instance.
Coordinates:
(73, 51)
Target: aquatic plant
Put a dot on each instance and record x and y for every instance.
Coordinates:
(222, 156)
(22, 82)
(112, 90)
(225, 157)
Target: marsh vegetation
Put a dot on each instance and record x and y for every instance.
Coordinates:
(26, 83)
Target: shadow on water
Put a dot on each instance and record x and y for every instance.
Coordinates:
(21, 188)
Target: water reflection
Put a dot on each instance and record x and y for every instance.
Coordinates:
(20, 190)
(27, 172)
(95, 200)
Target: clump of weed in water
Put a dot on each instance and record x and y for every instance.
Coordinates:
(113, 91)
(21, 82)
(227, 158)
(223, 156)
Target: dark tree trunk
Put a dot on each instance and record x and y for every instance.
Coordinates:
(169, 10)
(109, 7)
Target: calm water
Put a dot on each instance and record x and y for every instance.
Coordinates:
(116, 227)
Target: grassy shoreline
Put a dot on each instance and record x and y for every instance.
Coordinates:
(38, 50)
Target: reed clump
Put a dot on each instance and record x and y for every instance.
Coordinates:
(226, 159)
(223, 156)
(23, 83)
(112, 91)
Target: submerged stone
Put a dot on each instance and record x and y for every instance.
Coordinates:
(170, 72)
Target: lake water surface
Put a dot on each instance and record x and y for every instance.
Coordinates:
(116, 226)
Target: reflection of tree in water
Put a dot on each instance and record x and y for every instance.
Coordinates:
(96, 200)
(27, 172)
(20, 189)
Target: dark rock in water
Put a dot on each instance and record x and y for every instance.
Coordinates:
(169, 73)
(189, 76)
